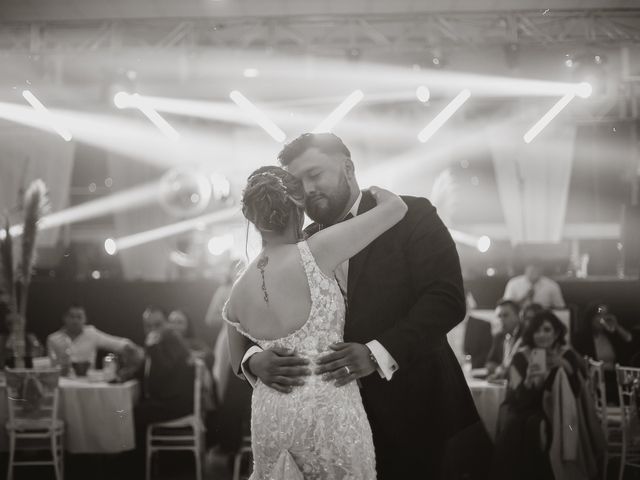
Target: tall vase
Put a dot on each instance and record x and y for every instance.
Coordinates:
(17, 345)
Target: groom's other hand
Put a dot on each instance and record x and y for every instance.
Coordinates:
(279, 368)
(347, 362)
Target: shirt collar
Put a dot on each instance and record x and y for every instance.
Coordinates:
(356, 205)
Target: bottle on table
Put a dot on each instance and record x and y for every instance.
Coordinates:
(110, 367)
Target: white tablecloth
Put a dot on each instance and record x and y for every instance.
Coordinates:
(98, 416)
(487, 397)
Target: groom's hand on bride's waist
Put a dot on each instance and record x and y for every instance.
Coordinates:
(347, 362)
(279, 368)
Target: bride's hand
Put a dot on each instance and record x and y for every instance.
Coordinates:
(390, 201)
(382, 195)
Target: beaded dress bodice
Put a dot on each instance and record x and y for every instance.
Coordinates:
(318, 431)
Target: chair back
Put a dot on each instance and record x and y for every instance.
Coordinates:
(200, 370)
(595, 370)
(32, 395)
(628, 379)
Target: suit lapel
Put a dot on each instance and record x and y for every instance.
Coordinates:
(356, 264)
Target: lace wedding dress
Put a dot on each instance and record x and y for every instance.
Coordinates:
(318, 431)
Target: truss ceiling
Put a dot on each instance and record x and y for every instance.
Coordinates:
(331, 32)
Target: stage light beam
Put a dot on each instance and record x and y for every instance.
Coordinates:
(141, 238)
(47, 115)
(258, 116)
(547, 117)
(447, 112)
(339, 112)
(125, 100)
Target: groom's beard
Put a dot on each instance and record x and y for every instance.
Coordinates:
(325, 209)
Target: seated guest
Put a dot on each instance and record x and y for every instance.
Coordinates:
(533, 287)
(507, 341)
(528, 312)
(603, 338)
(76, 341)
(524, 429)
(167, 376)
(180, 323)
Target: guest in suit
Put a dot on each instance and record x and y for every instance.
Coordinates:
(403, 294)
(603, 338)
(507, 341)
(180, 323)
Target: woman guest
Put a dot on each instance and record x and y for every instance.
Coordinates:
(523, 437)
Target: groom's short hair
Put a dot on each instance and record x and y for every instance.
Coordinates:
(327, 143)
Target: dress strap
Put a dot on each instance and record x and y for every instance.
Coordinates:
(315, 276)
(308, 262)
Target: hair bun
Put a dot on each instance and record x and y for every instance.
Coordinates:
(270, 197)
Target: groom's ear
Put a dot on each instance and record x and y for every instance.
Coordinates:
(350, 168)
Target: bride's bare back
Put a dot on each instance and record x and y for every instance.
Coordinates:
(287, 289)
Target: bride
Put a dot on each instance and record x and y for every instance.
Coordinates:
(288, 298)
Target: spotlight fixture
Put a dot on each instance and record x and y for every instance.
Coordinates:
(483, 244)
(110, 246)
(423, 93)
(590, 68)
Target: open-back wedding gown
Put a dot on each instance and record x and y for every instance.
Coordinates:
(318, 431)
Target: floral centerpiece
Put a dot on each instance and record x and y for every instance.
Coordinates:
(15, 277)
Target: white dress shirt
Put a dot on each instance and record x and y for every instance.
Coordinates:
(386, 363)
(83, 347)
(546, 292)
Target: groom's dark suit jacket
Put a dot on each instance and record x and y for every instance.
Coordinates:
(405, 290)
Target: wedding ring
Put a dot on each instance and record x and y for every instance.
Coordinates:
(347, 369)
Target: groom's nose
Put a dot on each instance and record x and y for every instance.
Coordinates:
(308, 186)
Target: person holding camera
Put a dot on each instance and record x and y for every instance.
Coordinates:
(524, 429)
(603, 338)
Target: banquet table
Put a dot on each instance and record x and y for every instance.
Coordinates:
(487, 397)
(98, 416)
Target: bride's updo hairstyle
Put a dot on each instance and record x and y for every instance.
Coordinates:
(272, 198)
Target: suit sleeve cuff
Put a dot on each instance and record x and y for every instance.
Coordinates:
(252, 379)
(387, 366)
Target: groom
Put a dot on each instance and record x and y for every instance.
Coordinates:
(403, 294)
